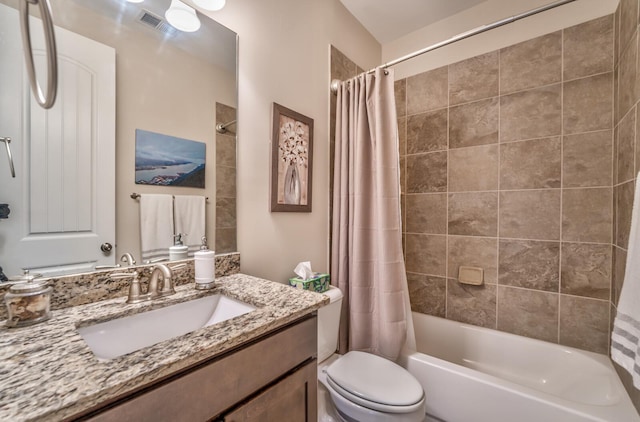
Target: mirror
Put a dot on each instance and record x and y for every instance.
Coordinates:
(122, 68)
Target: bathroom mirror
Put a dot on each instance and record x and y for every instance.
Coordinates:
(122, 67)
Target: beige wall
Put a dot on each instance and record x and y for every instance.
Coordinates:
(284, 57)
(161, 89)
(485, 13)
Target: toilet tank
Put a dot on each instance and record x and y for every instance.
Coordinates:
(328, 324)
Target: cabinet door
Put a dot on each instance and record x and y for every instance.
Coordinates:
(294, 399)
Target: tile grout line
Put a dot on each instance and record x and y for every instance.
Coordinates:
(562, 134)
(446, 255)
(499, 187)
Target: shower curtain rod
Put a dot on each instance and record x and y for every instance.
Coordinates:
(479, 30)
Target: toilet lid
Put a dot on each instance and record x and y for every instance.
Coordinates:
(375, 379)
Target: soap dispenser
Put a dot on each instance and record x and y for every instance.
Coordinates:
(178, 250)
(205, 267)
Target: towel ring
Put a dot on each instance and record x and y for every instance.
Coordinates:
(52, 57)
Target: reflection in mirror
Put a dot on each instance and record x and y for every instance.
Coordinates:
(122, 68)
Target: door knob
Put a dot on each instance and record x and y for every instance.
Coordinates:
(106, 247)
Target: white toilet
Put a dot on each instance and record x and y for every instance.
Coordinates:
(362, 387)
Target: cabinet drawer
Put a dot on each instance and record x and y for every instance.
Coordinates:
(206, 391)
(294, 399)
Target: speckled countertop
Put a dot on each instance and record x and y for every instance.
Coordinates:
(47, 371)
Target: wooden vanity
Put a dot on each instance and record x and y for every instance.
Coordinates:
(274, 378)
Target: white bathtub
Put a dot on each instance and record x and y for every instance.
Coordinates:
(473, 374)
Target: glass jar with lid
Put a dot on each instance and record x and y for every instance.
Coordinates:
(28, 302)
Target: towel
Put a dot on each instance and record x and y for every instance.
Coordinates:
(625, 339)
(190, 220)
(156, 225)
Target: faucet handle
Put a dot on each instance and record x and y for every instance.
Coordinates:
(135, 291)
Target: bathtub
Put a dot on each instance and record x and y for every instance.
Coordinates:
(473, 374)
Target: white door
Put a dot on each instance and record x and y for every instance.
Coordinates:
(62, 199)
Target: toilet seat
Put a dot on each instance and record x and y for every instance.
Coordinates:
(375, 383)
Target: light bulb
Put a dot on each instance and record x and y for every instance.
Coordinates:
(182, 17)
(211, 5)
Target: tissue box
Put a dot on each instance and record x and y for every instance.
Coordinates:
(318, 283)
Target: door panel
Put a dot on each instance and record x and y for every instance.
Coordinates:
(63, 197)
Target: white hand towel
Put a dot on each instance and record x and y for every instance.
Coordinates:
(625, 339)
(190, 220)
(156, 225)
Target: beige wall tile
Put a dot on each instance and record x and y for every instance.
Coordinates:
(427, 294)
(530, 214)
(587, 159)
(616, 35)
(627, 83)
(586, 215)
(400, 90)
(428, 91)
(427, 132)
(628, 20)
(474, 124)
(427, 172)
(531, 63)
(587, 104)
(624, 206)
(226, 240)
(225, 182)
(619, 263)
(474, 305)
(403, 174)
(473, 214)
(225, 212)
(586, 270)
(584, 323)
(225, 149)
(402, 136)
(637, 143)
(427, 213)
(528, 313)
(473, 169)
(529, 264)
(533, 164)
(587, 48)
(426, 254)
(473, 252)
(625, 150)
(474, 79)
(531, 114)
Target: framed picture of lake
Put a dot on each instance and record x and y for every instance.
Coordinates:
(169, 161)
(291, 160)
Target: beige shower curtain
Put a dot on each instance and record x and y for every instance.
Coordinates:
(366, 251)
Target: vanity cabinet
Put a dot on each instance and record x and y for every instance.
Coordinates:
(273, 377)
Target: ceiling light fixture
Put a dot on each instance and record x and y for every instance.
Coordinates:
(135, 1)
(211, 5)
(182, 17)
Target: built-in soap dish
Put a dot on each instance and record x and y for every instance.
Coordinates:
(471, 275)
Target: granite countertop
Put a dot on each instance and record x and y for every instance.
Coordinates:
(47, 371)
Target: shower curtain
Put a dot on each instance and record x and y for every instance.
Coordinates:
(367, 263)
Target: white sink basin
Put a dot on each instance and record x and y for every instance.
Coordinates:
(108, 340)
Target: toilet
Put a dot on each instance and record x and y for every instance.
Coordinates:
(361, 387)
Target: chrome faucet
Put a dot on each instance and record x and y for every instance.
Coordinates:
(128, 258)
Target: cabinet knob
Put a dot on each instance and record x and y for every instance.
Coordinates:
(106, 247)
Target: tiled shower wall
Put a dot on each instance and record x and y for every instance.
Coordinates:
(226, 182)
(507, 165)
(627, 148)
